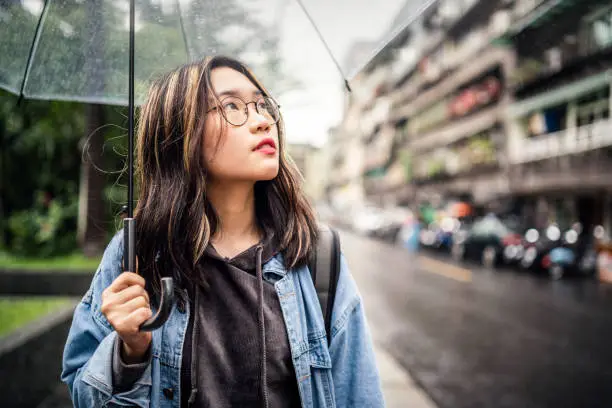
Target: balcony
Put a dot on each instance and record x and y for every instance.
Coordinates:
(566, 142)
(588, 171)
(378, 152)
(488, 59)
(459, 129)
(386, 180)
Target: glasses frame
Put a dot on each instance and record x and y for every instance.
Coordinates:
(219, 108)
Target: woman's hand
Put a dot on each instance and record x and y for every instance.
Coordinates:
(125, 304)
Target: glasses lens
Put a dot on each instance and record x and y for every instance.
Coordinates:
(234, 111)
(268, 108)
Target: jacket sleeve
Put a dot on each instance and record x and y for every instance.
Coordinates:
(87, 364)
(354, 370)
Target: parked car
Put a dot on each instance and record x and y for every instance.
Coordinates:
(367, 220)
(486, 240)
(392, 220)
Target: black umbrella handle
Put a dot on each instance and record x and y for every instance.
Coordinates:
(167, 284)
(165, 306)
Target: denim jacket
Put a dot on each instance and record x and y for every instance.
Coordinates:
(341, 375)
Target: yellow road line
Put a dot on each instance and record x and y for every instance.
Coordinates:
(445, 269)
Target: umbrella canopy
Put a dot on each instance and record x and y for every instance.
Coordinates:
(78, 50)
(108, 51)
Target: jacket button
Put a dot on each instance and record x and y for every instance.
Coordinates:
(180, 306)
(168, 393)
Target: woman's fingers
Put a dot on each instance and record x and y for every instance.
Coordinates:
(135, 303)
(130, 293)
(125, 280)
(129, 324)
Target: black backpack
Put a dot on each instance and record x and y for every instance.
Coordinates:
(324, 270)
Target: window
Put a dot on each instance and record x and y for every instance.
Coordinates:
(598, 31)
(601, 33)
(550, 120)
(593, 107)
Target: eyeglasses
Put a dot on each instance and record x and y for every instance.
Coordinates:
(236, 111)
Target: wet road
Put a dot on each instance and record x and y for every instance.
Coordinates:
(478, 338)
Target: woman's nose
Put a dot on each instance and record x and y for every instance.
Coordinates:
(258, 121)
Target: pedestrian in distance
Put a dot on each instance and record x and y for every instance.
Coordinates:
(220, 209)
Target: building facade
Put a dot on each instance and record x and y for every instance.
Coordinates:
(489, 100)
(560, 130)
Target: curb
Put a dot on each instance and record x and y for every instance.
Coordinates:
(46, 283)
(30, 358)
(398, 387)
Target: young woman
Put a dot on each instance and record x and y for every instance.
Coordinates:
(220, 209)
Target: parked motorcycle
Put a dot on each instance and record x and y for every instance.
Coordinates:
(536, 245)
(576, 254)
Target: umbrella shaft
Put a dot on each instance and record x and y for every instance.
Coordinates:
(130, 213)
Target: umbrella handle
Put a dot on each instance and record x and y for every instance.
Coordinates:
(167, 284)
(165, 306)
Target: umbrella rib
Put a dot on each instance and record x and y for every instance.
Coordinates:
(33, 48)
(394, 34)
(331, 54)
(180, 16)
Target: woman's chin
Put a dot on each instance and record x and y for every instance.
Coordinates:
(266, 173)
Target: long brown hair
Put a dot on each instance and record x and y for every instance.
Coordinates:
(174, 219)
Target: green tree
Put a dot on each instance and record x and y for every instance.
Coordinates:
(83, 50)
(39, 172)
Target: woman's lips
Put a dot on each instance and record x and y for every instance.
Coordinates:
(266, 146)
(267, 149)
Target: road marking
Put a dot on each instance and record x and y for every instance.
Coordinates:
(445, 269)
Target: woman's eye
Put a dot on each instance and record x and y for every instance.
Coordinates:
(230, 107)
(265, 107)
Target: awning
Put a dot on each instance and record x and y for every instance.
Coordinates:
(561, 94)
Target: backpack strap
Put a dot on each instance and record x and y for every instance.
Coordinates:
(325, 270)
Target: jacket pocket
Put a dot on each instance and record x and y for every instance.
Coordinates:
(321, 382)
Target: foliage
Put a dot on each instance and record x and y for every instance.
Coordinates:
(15, 313)
(39, 158)
(73, 261)
(44, 229)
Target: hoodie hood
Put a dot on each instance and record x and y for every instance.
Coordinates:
(247, 260)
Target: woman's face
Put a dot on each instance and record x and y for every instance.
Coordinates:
(236, 153)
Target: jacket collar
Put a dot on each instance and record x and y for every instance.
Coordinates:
(275, 269)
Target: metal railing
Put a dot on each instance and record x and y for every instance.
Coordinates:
(565, 142)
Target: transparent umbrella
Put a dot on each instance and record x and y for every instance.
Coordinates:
(108, 51)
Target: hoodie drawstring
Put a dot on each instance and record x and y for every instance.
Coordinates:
(194, 338)
(262, 338)
(262, 331)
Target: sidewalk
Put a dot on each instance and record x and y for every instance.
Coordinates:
(398, 388)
